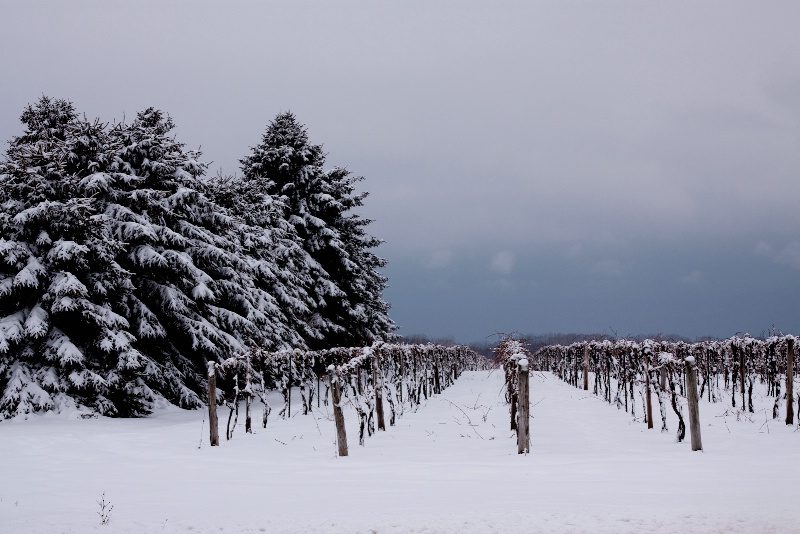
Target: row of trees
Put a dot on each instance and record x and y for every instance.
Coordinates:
(124, 269)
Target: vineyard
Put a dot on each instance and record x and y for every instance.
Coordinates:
(401, 375)
(630, 374)
(449, 464)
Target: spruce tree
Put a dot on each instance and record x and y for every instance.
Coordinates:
(194, 296)
(341, 270)
(62, 340)
(119, 277)
(271, 248)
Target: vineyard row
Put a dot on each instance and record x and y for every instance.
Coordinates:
(618, 370)
(365, 377)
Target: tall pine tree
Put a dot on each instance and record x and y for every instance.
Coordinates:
(195, 296)
(341, 278)
(119, 278)
(62, 340)
(277, 261)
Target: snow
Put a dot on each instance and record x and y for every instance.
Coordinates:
(11, 330)
(37, 323)
(65, 283)
(29, 275)
(450, 467)
(65, 250)
(65, 351)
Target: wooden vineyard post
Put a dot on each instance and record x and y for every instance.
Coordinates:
(289, 392)
(377, 380)
(586, 368)
(648, 398)
(403, 375)
(338, 417)
(248, 428)
(742, 374)
(523, 415)
(694, 409)
(213, 423)
(790, 381)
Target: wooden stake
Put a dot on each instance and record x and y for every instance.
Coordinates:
(338, 417)
(213, 422)
(523, 414)
(790, 381)
(377, 380)
(647, 396)
(741, 374)
(694, 409)
(586, 367)
(248, 428)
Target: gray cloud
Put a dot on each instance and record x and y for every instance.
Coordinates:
(503, 262)
(586, 131)
(786, 255)
(693, 277)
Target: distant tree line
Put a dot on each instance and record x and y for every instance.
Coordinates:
(124, 269)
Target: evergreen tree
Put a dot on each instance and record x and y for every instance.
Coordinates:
(119, 278)
(123, 271)
(341, 278)
(194, 296)
(271, 247)
(62, 339)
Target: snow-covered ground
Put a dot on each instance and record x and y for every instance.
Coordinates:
(451, 467)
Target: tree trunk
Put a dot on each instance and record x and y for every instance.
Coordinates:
(213, 422)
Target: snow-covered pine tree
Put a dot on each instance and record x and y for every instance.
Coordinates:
(341, 276)
(194, 296)
(271, 247)
(62, 342)
(368, 318)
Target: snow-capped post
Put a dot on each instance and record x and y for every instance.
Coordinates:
(648, 399)
(742, 373)
(586, 367)
(213, 423)
(790, 381)
(248, 392)
(694, 409)
(377, 379)
(289, 390)
(338, 417)
(523, 415)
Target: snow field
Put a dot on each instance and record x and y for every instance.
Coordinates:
(450, 467)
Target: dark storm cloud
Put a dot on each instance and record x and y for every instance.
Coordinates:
(516, 152)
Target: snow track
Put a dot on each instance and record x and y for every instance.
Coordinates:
(451, 467)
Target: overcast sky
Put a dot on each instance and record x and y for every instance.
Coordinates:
(616, 167)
